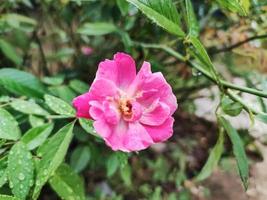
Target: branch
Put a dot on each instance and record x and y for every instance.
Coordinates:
(231, 47)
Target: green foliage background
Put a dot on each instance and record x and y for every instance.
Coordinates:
(46, 153)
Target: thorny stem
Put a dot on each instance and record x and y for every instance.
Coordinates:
(225, 84)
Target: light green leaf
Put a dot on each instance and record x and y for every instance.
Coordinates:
(5, 197)
(79, 86)
(163, 13)
(238, 149)
(36, 121)
(112, 164)
(20, 170)
(231, 107)
(10, 52)
(37, 136)
(28, 107)
(213, 159)
(87, 125)
(9, 128)
(240, 6)
(80, 158)
(192, 23)
(21, 83)
(67, 184)
(59, 106)
(98, 28)
(52, 154)
(123, 6)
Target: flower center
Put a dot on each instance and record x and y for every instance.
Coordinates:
(125, 107)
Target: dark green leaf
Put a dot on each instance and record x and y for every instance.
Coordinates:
(21, 83)
(37, 135)
(3, 171)
(238, 149)
(64, 92)
(79, 86)
(20, 170)
(262, 117)
(59, 106)
(163, 13)
(126, 175)
(112, 164)
(231, 107)
(9, 128)
(10, 52)
(80, 158)
(213, 159)
(52, 154)
(67, 184)
(123, 6)
(28, 107)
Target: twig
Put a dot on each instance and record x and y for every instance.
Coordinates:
(37, 39)
(231, 47)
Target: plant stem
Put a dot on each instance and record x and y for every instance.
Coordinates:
(224, 83)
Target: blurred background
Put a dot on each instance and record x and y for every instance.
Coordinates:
(62, 41)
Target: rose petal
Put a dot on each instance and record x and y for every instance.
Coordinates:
(156, 116)
(81, 104)
(126, 69)
(162, 132)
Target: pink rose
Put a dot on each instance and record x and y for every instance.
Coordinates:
(87, 50)
(131, 111)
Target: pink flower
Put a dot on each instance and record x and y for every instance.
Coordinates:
(87, 50)
(131, 112)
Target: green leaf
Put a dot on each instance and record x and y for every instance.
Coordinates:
(20, 170)
(3, 171)
(67, 184)
(36, 121)
(231, 107)
(78, 86)
(5, 197)
(98, 28)
(21, 83)
(112, 164)
(80, 158)
(28, 107)
(37, 135)
(213, 159)
(57, 80)
(238, 149)
(52, 154)
(87, 125)
(126, 174)
(123, 6)
(64, 92)
(262, 117)
(9, 128)
(163, 13)
(59, 106)
(192, 23)
(9, 51)
(240, 6)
